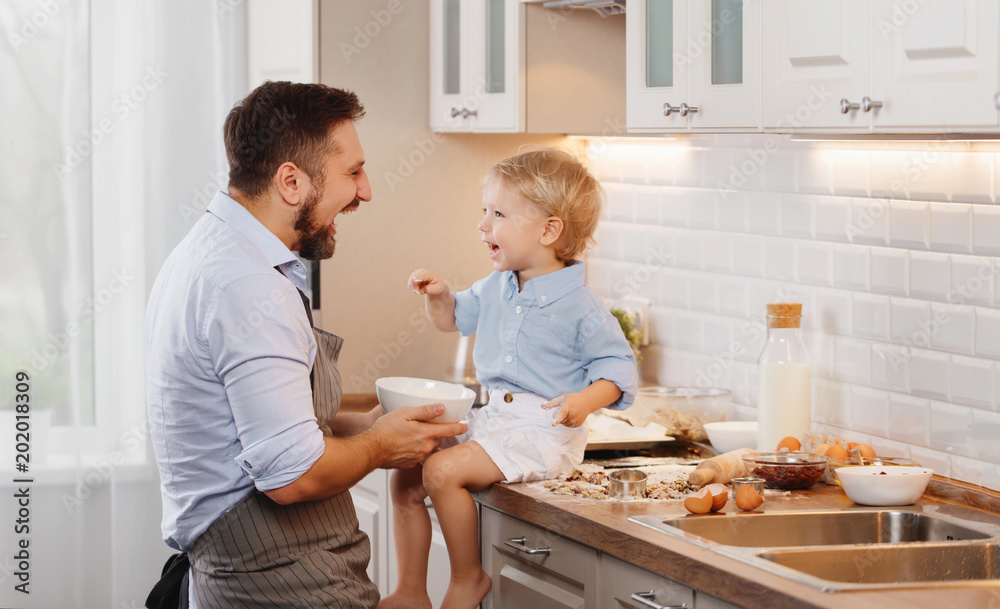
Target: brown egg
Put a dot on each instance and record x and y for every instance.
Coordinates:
(700, 502)
(790, 443)
(866, 451)
(836, 451)
(821, 449)
(720, 495)
(747, 498)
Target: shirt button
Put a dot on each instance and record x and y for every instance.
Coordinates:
(544, 298)
(517, 309)
(508, 398)
(508, 359)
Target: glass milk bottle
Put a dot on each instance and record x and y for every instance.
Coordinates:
(784, 379)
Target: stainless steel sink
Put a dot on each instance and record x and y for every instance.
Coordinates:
(822, 528)
(854, 548)
(895, 563)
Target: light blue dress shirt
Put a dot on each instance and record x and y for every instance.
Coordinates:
(228, 354)
(553, 337)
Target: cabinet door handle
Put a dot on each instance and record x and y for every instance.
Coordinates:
(646, 600)
(668, 109)
(686, 109)
(456, 112)
(846, 106)
(996, 100)
(466, 113)
(518, 544)
(868, 105)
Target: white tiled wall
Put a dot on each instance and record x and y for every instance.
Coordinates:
(890, 247)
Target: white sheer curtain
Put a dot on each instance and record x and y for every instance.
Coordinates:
(129, 97)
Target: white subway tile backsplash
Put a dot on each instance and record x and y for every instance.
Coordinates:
(661, 328)
(765, 215)
(988, 332)
(973, 382)
(780, 171)
(973, 279)
(673, 205)
(938, 461)
(911, 322)
(633, 166)
(748, 255)
(890, 271)
(702, 293)
(688, 331)
(909, 419)
(674, 288)
(633, 243)
(732, 297)
(986, 436)
(620, 202)
(953, 328)
(869, 411)
(687, 169)
(888, 177)
(702, 208)
(851, 267)
(851, 175)
(815, 173)
(833, 311)
(927, 173)
(870, 313)
(951, 227)
(951, 428)
(822, 354)
(930, 374)
(717, 167)
(717, 255)
(798, 218)
(891, 367)
(930, 275)
(971, 177)
(830, 403)
(908, 224)
(732, 210)
(833, 217)
(869, 224)
(648, 202)
(983, 473)
(687, 250)
(986, 230)
(815, 261)
(718, 336)
(889, 447)
(853, 361)
(674, 368)
(780, 262)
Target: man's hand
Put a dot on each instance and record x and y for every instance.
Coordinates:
(405, 437)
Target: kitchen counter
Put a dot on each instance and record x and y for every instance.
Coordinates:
(604, 525)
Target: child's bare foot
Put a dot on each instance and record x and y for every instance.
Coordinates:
(467, 593)
(398, 600)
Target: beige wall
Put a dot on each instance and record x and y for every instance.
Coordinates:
(421, 218)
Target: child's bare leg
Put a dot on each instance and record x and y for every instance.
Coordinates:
(412, 534)
(449, 475)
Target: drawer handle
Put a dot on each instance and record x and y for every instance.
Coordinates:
(646, 600)
(846, 106)
(668, 109)
(686, 109)
(518, 544)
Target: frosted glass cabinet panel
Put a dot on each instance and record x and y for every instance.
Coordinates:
(475, 64)
(692, 65)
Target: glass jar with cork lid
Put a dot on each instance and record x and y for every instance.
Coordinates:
(784, 378)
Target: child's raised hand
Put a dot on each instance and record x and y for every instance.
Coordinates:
(423, 281)
(572, 412)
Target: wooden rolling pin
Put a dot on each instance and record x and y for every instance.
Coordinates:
(720, 468)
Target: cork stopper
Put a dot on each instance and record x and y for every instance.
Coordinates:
(784, 315)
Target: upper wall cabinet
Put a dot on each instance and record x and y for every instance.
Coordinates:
(476, 66)
(692, 64)
(883, 66)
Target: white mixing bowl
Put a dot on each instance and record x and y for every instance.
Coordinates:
(400, 391)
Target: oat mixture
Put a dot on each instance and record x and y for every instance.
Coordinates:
(664, 483)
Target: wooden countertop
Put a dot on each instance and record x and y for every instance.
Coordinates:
(604, 525)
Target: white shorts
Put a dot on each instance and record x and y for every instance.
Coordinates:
(519, 437)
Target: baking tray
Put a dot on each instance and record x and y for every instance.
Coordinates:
(627, 444)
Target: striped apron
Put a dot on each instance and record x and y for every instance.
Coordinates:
(310, 554)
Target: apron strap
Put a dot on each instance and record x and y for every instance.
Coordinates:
(171, 592)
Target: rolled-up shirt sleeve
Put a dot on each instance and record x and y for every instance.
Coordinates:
(262, 349)
(467, 309)
(610, 356)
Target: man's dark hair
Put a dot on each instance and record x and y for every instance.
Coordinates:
(284, 121)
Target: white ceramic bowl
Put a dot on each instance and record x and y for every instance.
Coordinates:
(730, 435)
(400, 391)
(883, 485)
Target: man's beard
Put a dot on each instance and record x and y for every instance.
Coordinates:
(315, 242)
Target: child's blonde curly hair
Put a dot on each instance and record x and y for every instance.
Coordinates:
(558, 185)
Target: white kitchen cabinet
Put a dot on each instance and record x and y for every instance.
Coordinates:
(626, 586)
(476, 66)
(935, 64)
(692, 65)
(535, 569)
(815, 53)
